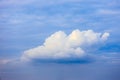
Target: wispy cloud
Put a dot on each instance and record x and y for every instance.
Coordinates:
(108, 12)
(6, 61)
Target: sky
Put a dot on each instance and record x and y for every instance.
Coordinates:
(59, 40)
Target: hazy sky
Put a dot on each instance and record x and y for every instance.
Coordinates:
(59, 39)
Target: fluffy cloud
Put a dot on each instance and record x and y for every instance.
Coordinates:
(62, 46)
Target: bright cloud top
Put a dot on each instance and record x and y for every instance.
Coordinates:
(60, 45)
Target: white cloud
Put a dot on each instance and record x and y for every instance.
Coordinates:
(104, 36)
(60, 45)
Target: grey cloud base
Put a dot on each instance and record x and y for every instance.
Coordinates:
(80, 60)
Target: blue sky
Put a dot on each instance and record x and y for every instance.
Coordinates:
(25, 24)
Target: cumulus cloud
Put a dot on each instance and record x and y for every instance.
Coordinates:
(63, 46)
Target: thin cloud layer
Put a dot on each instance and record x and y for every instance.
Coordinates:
(62, 46)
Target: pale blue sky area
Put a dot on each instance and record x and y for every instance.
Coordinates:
(24, 24)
